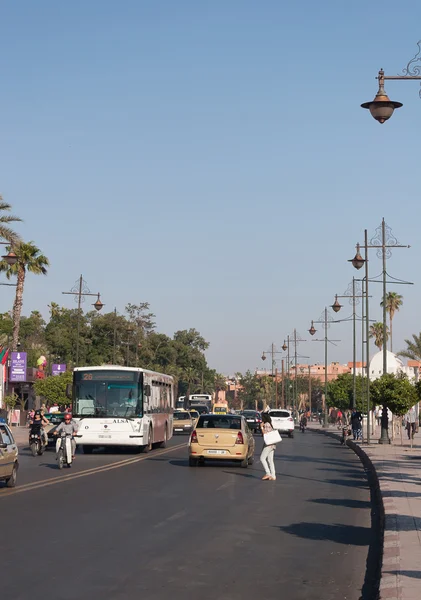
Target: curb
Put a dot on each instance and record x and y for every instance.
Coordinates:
(382, 526)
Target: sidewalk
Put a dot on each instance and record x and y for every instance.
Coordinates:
(398, 470)
(21, 435)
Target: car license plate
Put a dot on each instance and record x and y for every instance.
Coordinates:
(104, 436)
(178, 429)
(250, 420)
(217, 451)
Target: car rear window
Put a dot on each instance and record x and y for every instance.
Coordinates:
(194, 414)
(279, 413)
(249, 413)
(180, 416)
(218, 422)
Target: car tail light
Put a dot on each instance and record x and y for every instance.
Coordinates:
(193, 439)
(240, 439)
(290, 419)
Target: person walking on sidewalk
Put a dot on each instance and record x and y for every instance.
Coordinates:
(410, 422)
(268, 452)
(356, 419)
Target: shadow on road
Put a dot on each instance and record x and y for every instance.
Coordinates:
(346, 502)
(350, 535)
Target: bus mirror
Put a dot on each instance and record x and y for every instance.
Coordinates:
(69, 390)
(147, 390)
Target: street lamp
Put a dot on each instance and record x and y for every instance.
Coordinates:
(382, 108)
(80, 290)
(325, 319)
(382, 241)
(272, 352)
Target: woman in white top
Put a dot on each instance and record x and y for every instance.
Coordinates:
(268, 453)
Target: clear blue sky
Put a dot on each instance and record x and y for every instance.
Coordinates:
(211, 158)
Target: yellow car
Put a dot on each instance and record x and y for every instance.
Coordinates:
(182, 422)
(8, 456)
(221, 437)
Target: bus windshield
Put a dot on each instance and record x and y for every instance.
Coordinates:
(107, 394)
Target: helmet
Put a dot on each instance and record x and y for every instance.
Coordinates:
(68, 417)
(37, 413)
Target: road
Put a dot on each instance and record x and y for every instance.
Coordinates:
(158, 529)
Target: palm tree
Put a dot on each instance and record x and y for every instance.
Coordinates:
(413, 349)
(29, 259)
(393, 303)
(6, 233)
(376, 332)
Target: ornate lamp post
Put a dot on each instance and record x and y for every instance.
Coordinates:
(382, 241)
(325, 319)
(382, 108)
(79, 291)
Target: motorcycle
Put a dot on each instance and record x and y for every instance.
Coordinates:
(302, 427)
(64, 450)
(36, 443)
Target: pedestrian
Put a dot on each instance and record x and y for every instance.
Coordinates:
(356, 419)
(268, 452)
(410, 422)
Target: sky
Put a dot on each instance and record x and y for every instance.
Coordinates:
(212, 159)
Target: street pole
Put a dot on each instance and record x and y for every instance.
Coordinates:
(276, 388)
(115, 337)
(354, 349)
(367, 334)
(79, 301)
(288, 373)
(326, 341)
(273, 367)
(295, 376)
(283, 404)
(384, 437)
(80, 290)
(309, 388)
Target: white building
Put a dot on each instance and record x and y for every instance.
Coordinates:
(394, 366)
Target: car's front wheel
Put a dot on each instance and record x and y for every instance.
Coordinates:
(244, 463)
(251, 460)
(11, 481)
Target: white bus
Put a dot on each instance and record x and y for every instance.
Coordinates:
(122, 406)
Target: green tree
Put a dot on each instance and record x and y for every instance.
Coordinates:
(376, 333)
(396, 391)
(6, 233)
(53, 389)
(393, 303)
(413, 348)
(10, 401)
(29, 259)
(254, 390)
(340, 392)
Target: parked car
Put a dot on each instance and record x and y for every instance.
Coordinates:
(221, 437)
(8, 456)
(282, 421)
(253, 419)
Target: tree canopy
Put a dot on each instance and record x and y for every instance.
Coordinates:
(396, 391)
(112, 338)
(340, 392)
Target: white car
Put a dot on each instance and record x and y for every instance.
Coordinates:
(282, 421)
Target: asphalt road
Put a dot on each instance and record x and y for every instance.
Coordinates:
(154, 527)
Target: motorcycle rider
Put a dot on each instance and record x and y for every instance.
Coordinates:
(68, 427)
(37, 424)
(303, 422)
